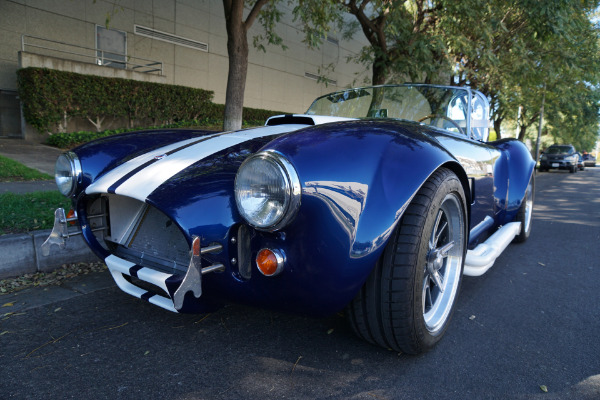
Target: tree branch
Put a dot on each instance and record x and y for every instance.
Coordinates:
(254, 13)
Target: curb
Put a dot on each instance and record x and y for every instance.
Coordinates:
(21, 254)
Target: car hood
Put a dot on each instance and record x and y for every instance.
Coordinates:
(140, 176)
(199, 171)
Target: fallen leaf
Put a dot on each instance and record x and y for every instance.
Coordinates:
(329, 332)
(58, 309)
(8, 304)
(472, 317)
(147, 352)
(544, 388)
(542, 264)
(3, 333)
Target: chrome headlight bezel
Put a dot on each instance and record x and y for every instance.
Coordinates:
(67, 173)
(284, 211)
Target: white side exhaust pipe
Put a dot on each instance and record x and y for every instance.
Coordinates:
(480, 259)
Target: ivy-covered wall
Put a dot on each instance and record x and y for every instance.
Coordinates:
(52, 98)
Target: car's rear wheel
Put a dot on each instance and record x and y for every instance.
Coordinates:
(525, 213)
(408, 300)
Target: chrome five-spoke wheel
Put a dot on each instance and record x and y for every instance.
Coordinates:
(444, 264)
(408, 300)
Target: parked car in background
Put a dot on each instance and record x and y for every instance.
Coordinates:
(580, 164)
(559, 157)
(589, 160)
(376, 202)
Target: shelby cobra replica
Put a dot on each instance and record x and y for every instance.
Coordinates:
(376, 201)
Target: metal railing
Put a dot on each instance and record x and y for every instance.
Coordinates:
(85, 54)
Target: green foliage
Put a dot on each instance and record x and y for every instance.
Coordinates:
(31, 211)
(70, 139)
(50, 96)
(212, 120)
(11, 171)
(525, 53)
(268, 18)
(404, 43)
(514, 52)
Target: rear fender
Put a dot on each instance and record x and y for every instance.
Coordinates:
(514, 170)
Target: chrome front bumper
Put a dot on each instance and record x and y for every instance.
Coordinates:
(174, 286)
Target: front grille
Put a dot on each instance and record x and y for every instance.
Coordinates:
(145, 236)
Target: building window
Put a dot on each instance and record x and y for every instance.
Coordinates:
(111, 47)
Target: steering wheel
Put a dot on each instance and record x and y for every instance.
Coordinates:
(436, 116)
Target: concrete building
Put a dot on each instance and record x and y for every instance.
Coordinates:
(181, 42)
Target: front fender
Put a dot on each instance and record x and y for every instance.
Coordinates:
(357, 179)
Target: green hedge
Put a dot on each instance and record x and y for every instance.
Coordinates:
(71, 139)
(251, 116)
(50, 96)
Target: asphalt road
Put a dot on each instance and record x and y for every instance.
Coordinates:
(533, 320)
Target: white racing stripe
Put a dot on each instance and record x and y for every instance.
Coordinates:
(102, 185)
(119, 267)
(140, 185)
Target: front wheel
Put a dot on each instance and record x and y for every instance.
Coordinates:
(409, 298)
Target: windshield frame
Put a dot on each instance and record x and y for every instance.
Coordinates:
(482, 133)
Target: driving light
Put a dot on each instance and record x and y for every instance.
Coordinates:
(267, 191)
(67, 172)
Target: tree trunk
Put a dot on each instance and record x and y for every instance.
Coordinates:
(237, 48)
(497, 124)
(379, 71)
(522, 132)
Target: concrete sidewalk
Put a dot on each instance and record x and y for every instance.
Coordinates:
(21, 253)
(34, 155)
(27, 187)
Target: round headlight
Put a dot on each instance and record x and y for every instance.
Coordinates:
(267, 191)
(67, 172)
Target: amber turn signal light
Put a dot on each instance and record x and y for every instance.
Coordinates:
(72, 217)
(269, 262)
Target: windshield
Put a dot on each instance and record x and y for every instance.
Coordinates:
(440, 106)
(559, 149)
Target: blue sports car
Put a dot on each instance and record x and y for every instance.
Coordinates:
(376, 201)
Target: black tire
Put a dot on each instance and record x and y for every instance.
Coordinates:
(525, 213)
(573, 169)
(400, 306)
